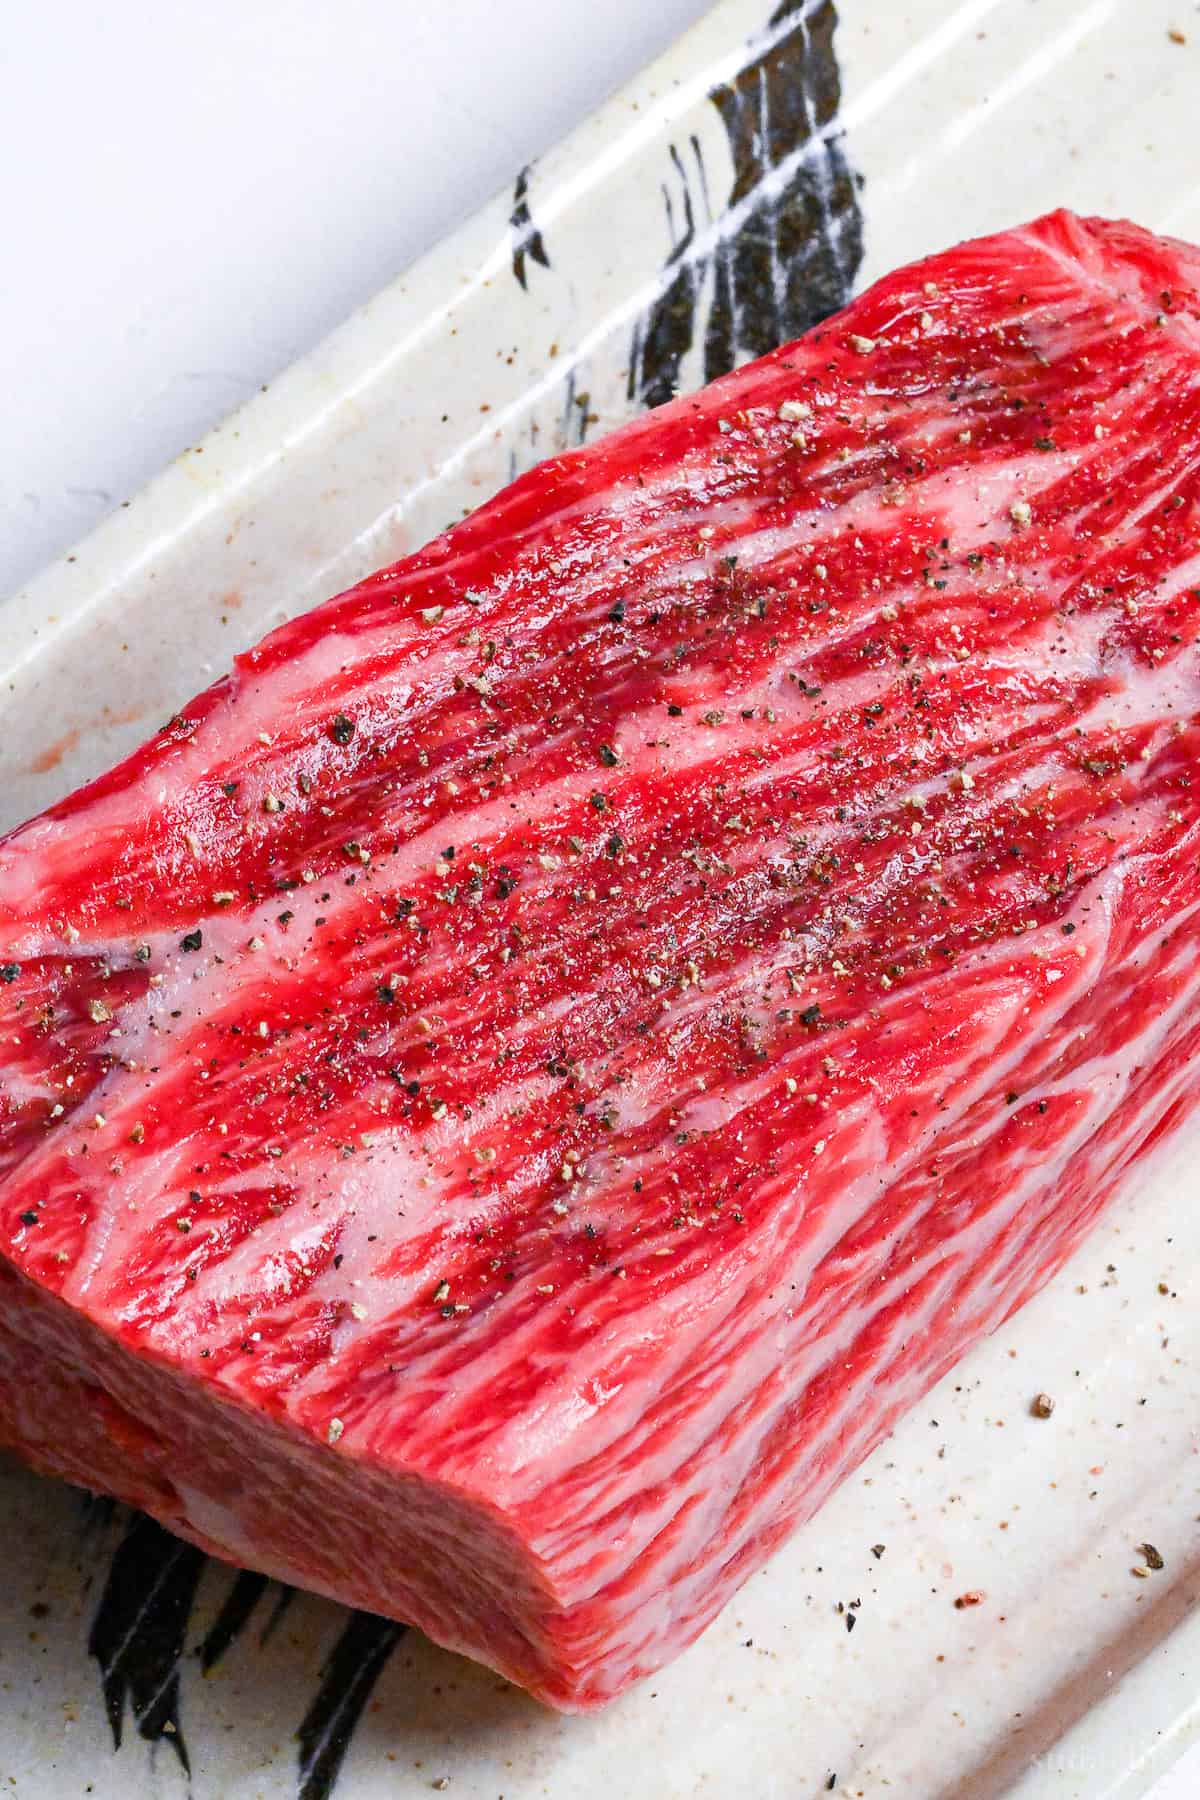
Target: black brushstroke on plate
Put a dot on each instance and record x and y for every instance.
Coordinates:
(576, 413)
(789, 258)
(138, 1631)
(229, 1624)
(353, 1667)
(283, 1603)
(527, 239)
(796, 248)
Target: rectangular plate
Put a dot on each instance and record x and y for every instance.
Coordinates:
(743, 186)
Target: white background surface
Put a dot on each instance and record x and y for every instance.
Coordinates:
(193, 196)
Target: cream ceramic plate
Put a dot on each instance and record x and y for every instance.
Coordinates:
(763, 170)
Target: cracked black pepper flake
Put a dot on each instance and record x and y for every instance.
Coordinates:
(615, 845)
(29, 1218)
(9, 972)
(342, 729)
(599, 802)
(1153, 1558)
(608, 756)
(192, 940)
(616, 612)
(811, 1015)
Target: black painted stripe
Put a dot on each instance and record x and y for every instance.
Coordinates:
(797, 247)
(241, 1600)
(351, 1671)
(527, 239)
(139, 1628)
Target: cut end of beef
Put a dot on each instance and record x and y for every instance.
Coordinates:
(512, 1092)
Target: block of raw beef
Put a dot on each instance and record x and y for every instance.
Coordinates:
(506, 1097)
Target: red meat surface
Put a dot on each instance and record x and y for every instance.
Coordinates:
(508, 1096)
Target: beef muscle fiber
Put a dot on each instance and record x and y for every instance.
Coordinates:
(507, 1097)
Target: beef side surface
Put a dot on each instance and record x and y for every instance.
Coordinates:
(508, 1096)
